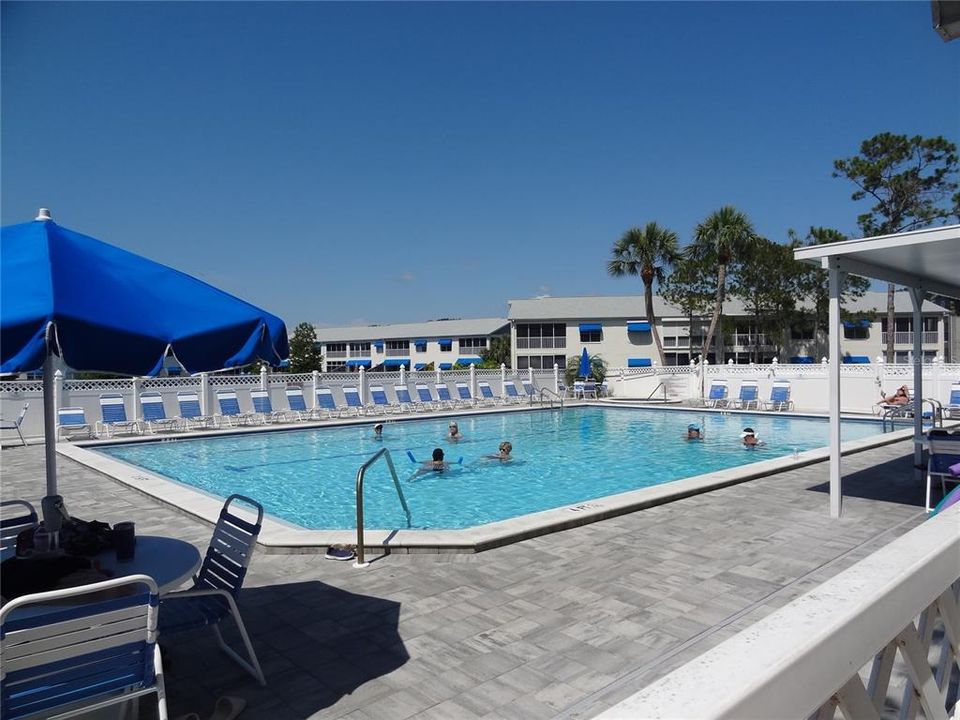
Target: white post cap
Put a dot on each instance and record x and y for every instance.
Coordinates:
(43, 214)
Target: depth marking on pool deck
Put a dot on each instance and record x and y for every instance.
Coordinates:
(278, 536)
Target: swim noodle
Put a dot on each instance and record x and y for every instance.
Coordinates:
(952, 498)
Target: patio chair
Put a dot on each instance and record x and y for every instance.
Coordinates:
(589, 389)
(486, 394)
(15, 424)
(444, 398)
(718, 395)
(952, 408)
(230, 410)
(465, 396)
(531, 390)
(779, 396)
(326, 404)
(190, 413)
(354, 404)
(113, 414)
(404, 401)
(71, 421)
(427, 399)
(511, 394)
(944, 452)
(297, 404)
(154, 416)
(381, 401)
(216, 587)
(96, 648)
(15, 517)
(263, 406)
(749, 396)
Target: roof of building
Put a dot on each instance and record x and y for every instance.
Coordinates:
(632, 307)
(432, 329)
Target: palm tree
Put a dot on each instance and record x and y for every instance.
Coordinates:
(645, 253)
(724, 236)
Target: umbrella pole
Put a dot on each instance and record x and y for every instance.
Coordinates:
(49, 424)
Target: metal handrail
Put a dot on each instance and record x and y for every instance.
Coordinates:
(660, 385)
(551, 392)
(905, 412)
(396, 482)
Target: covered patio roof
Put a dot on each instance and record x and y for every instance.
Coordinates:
(924, 261)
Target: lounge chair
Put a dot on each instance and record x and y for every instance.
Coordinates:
(749, 396)
(381, 401)
(113, 414)
(15, 424)
(15, 517)
(444, 398)
(486, 394)
(213, 597)
(465, 396)
(263, 406)
(154, 416)
(67, 652)
(190, 413)
(404, 401)
(298, 405)
(779, 396)
(718, 395)
(511, 394)
(231, 412)
(326, 404)
(354, 403)
(530, 389)
(71, 421)
(427, 399)
(952, 408)
(588, 389)
(944, 452)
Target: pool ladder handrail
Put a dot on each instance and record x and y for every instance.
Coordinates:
(661, 385)
(396, 483)
(548, 391)
(905, 412)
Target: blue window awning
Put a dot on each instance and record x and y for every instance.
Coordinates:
(378, 344)
(359, 362)
(857, 323)
(591, 327)
(469, 360)
(801, 360)
(445, 341)
(856, 360)
(446, 366)
(419, 366)
(420, 341)
(639, 362)
(396, 362)
(638, 326)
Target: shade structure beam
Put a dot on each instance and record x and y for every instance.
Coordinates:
(836, 493)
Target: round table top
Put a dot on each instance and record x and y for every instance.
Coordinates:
(169, 561)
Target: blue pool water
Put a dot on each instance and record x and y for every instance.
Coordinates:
(308, 477)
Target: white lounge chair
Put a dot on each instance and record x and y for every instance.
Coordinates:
(354, 403)
(15, 517)
(71, 421)
(15, 424)
(326, 405)
(406, 403)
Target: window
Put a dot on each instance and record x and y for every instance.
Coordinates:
(588, 336)
(446, 344)
(857, 332)
(541, 336)
(472, 342)
(677, 358)
(930, 324)
(336, 350)
(541, 362)
(801, 333)
(361, 348)
(420, 345)
(336, 366)
(397, 348)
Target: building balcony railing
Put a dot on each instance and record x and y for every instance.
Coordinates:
(398, 352)
(331, 354)
(930, 337)
(548, 343)
(750, 341)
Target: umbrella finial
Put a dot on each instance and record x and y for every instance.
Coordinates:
(43, 214)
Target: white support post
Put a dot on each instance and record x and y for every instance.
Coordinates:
(316, 384)
(556, 378)
(204, 394)
(473, 380)
(530, 375)
(363, 385)
(916, 295)
(836, 497)
(503, 380)
(438, 371)
(403, 375)
(135, 391)
(264, 380)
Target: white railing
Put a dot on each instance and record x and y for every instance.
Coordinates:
(554, 343)
(882, 618)
(930, 337)
(335, 354)
(749, 341)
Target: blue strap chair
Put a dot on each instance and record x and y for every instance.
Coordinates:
(15, 517)
(749, 395)
(71, 421)
(486, 394)
(263, 406)
(154, 415)
(512, 395)
(298, 404)
(213, 596)
(327, 404)
(15, 424)
(779, 396)
(190, 412)
(944, 452)
(717, 396)
(352, 397)
(113, 415)
(466, 397)
(405, 401)
(96, 648)
(230, 409)
(426, 397)
(380, 399)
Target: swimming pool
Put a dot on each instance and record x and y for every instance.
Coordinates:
(307, 477)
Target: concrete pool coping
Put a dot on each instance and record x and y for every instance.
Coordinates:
(278, 536)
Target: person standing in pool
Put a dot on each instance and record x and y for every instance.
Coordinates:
(693, 432)
(750, 438)
(436, 464)
(378, 431)
(503, 452)
(454, 433)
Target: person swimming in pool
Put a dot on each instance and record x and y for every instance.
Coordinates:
(693, 432)
(454, 433)
(378, 431)
(749, 438)
(436, 464)
(503, 452)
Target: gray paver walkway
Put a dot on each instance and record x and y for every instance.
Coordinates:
(558, 626)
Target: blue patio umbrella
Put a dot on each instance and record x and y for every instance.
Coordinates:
(104, 309)
(585, 368)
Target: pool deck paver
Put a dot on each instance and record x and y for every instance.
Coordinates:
(559, 626)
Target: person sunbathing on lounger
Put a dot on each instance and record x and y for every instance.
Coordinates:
(900, 397)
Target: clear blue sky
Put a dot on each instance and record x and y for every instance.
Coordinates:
(345, 163)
